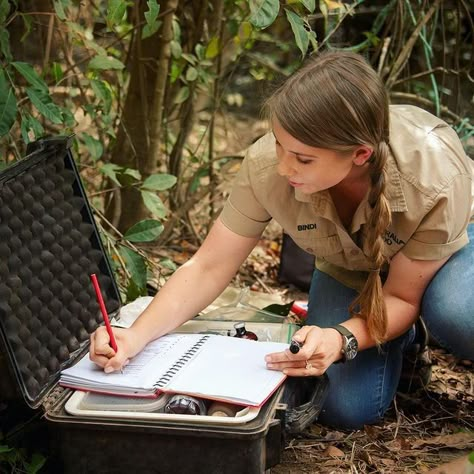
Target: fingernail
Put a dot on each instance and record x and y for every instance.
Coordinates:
(108, 369)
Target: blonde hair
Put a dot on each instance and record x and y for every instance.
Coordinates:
(337, 101)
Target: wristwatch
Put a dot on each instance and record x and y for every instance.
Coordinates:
(349, 343)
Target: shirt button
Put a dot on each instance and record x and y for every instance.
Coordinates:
(309, 249)
(354, 252)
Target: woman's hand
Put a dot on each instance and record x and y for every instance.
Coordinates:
(321, 347)
(102, 354)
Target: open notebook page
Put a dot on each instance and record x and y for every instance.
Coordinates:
(230, 368)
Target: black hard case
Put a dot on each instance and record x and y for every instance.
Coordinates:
(49, 246)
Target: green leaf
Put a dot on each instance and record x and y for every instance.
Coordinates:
(212, 49)
(5, 449)
(56, 72)
(190, 58)
(309, 4)
(299, 30)
(105, 62)
(110, 170)
(191, 74)
(68, 117)
(159, 182)
(280, 309)
(59, 9)
(151, 17)
(263, 12)
(30, 124)
(42, 101)
(94, 146)
(132, 172)
(133, 291)
(182, 95)
(168, 263)
(99, 50)
(8, 107)
(103, 93)
(135, 264)
(154, 204)
(31, 76)
(144, 231)
(27, 25)
(197, 179)
(115, 12)
(5, 44)
(200, 51)
(4, 10)
(176, 50)
(471, 457)
(37, 462)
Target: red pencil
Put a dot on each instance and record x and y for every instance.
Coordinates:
(100, 300)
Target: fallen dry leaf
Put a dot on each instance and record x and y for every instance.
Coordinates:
(456, 440)
(333, 452)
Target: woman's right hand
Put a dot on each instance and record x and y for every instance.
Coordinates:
(101, 352)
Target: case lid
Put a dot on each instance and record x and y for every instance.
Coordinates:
(49, 247)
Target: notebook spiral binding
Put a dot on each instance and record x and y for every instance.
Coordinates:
(180, 363)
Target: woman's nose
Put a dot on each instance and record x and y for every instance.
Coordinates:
(284, 167)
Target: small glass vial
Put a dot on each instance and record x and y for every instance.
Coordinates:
(241, 332)
(185, 405)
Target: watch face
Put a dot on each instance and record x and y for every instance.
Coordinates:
(350, 350)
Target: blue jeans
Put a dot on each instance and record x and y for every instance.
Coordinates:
(361, 390)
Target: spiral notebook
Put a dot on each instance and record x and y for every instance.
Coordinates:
(208, 366)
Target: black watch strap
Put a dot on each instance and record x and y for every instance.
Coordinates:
(347, 335)
(343, 330)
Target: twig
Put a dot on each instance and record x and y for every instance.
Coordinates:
(397, 426)
(426, 73)
(383, 54)
(426, 102)
(49, 41)
(405, 53)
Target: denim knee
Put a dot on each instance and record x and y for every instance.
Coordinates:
(448, 303)
(361, 390)
(342, 412)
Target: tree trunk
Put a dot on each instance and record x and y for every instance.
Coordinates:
(139, 136)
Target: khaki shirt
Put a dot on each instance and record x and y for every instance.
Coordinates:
(430, 190)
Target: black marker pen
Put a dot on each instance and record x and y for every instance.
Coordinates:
(295, 346)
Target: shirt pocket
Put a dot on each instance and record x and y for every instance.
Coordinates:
(322, 246)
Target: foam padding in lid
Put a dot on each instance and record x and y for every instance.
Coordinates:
(49, 247)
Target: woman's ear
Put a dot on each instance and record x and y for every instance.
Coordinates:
(362, 154)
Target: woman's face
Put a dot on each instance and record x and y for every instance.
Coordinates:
(308, 168)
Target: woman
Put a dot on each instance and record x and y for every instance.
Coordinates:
(382, 196)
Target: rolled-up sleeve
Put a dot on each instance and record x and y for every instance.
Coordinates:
(243, 213)
(442, 231)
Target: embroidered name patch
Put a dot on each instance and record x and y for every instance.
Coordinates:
(391, 238)
(306, 227)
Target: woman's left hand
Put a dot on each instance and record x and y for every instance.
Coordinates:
(320, 348)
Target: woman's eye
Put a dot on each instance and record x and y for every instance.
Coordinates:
(303, 161)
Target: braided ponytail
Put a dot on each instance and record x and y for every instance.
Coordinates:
(370, 302)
